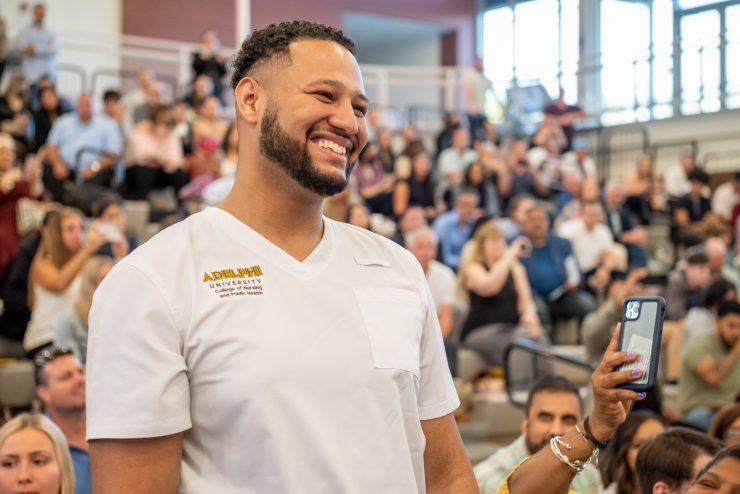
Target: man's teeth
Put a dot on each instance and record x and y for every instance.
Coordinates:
(327, 144)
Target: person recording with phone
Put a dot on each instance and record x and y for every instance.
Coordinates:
(111, 216)
(501, 304)
(54, 277)
(552, 469)
(553, 272)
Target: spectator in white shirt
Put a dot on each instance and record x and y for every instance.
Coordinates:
(726, 196)
(592, 243)
(422, 243)
(677, 177)
(578, 160)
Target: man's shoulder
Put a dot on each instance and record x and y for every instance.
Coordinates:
(504, 459)
(603, 231)
(558, 241)
(447, 153)
(441, 269)
(706, 343)
(166, 246)
(570, 227)
(445, 219)
(66, 119)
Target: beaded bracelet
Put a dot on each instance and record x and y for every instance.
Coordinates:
(590, 435)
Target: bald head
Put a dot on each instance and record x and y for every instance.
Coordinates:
(84, 106)
(716, 252)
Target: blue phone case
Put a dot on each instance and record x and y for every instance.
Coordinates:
(642, 329)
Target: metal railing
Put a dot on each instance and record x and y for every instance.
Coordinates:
(130, 74)
(516, 386)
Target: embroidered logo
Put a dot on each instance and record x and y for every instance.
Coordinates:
(235, 282)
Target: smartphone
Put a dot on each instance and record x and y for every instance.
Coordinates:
(642, 328)
(110, 231)
(527, 247)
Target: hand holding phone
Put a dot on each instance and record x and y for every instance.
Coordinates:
(642, 328)
(110, 231)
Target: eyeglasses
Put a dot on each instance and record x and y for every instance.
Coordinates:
(50, 353)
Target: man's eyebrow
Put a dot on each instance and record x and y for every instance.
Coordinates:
(336, 85)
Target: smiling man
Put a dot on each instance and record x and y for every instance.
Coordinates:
(263, 347)
(553, 408)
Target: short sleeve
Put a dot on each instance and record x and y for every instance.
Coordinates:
(697, 350)
(606, 236)
(137, 384)
(55, 134)
(449, 284)
(112, 142)
(437, 394)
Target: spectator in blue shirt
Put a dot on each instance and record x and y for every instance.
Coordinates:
(39, 48)
(553, 273)
(82, 147)
(60, 384)
(454, 227)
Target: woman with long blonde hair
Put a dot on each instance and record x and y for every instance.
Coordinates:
(34, 457)
(501, 304)
(54, 281)
(72, 328)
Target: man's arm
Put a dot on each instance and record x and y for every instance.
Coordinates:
(132, 466)
(446, 466)
(714, 373)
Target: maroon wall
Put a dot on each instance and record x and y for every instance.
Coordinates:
(184, 20)
(180, 20)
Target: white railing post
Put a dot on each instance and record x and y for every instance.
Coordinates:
(384, 90)
(450, 93)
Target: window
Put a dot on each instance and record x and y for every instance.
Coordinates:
(522, 44)
(625, 73)
(700, 62)
(732, 58)
(662, 67)
(498, 57)
(641, 73)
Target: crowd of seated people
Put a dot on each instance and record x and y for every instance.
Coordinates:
(515, 235)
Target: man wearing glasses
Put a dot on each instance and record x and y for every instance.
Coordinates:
(60, 384)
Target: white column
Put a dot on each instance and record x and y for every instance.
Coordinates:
(243, 19)
(589, 65)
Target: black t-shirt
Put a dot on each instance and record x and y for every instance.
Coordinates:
(500, 308)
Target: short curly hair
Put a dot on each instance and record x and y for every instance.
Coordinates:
(274, 40)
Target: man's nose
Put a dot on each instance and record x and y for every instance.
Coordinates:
(345, 119)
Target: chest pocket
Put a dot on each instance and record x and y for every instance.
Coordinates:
(394, 320)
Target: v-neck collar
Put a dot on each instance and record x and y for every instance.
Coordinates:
(315, 262)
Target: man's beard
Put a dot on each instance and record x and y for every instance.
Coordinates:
(293, 158)
(534, 448)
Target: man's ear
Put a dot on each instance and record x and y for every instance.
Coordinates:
(42, 392)
(248, 94)
(661, 487)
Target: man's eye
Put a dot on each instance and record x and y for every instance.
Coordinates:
(361, 110)
(324, 95)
